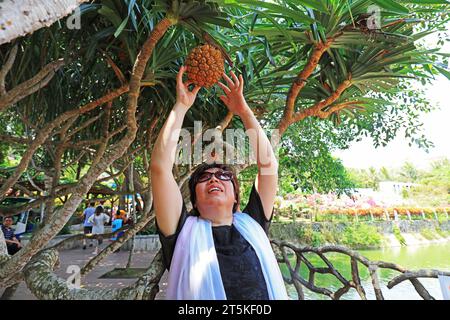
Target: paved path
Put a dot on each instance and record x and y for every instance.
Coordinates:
(114, 260)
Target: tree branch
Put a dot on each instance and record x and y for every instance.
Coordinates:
(336, 108)
(316, 110)
(3, 249)
(44, 134)
(46, 285)
(300, 81)
(415, 274)
(85, 125)
(6, 67)
(12, 139)
(43, 235)
(32, 85)
(225, 121)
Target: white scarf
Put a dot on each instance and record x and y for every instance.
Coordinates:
(194, 271)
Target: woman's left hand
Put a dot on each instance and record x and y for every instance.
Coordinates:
(234, 97)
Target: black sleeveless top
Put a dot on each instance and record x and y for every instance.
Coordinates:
(239, 265)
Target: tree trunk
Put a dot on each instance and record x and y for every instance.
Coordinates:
(133, 213)
(78, 174)
(299, 83)
(123, 189)
(45, 285)
(9, 292)
(47, 205)
(14, 265)
(3, 249)
(21, 17)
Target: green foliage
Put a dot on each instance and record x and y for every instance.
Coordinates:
(323, 216)
(385, 174)
(433, 234)
(433, 186)
(148, 229)
(442, 217)
(409, 173)
(317, 239)
(360, 235)
(355, 236)
(442, 233)
(398, 235)
(405, 193)
(306, 162)
(246, 180)
(310, 237)
(364, 178)
(66, 229)
(330, 234)
(276, 217)
(287, 184)
(429, 234)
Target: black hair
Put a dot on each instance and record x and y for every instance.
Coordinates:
(199, 171)
(99, 209)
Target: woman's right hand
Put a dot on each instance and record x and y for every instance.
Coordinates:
(185, 97)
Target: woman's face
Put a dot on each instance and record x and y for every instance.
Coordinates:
(214, 191)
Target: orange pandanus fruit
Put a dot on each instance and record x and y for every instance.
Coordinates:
(205, 65)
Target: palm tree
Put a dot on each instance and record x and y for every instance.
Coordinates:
(385, 174)
(409, 172)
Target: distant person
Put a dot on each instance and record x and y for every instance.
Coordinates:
(116, 225)
(122, 215)
(98, 220)
(87, 226)
(138, 206)
(106, 210)
(12, 243)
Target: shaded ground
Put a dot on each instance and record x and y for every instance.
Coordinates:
(92, 280)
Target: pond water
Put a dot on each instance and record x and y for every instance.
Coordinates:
(433, 256)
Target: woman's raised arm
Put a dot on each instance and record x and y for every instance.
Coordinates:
(167, 197)
(267, 180)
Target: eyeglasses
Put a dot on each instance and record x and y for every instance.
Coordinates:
(221, 175)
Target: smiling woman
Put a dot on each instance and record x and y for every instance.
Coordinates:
(214, 179)
(216, 252)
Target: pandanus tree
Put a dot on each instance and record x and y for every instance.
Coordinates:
(331, 63)
(93, 100)
(112, 141)
(348, 63)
